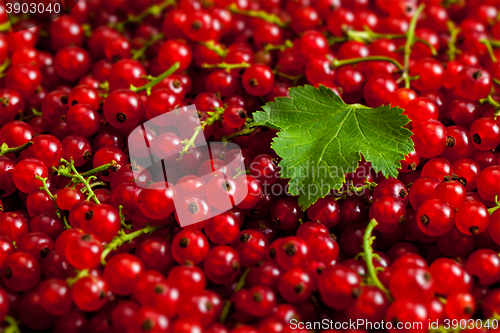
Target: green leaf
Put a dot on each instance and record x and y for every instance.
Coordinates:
(321, 138)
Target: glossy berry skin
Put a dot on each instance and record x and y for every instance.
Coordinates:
(452, 192)
(407, 311)
(123, 108)
(449, 276)
(286, 214)
(485, 133)
(221, 264)
(430, 72)
(121, 272)
(339, 286)
(78, 148)
(187, 279)
(460, 305)
(68, 197)
(103, 221)
(174, 51)
(261, 301)
(494, 227)
(323, 248)
(235, 116)
(36, 243)
(391, 187)
(189, 246)
(84, 94)
(378, 90)
(55, 296)
(389, 212)
(90, 293)
(295, 285)
(429, 137)
(413, 283)
(472, 218)
(20, 271)
(83, 119)
(292, 252)
(156, 201)
(147, 319)
(82, 251)
(251, 246)
(264, 169)
(326, 211)
(435, 217)
(161, 296)
(24, 79)
(46, 148)
(222, 229)
(421, 109)
(258, 80)
(488, 182)
(484, 265)
(474, 83)
(370, 304)
(25, 172)
(72, 62)
(13, 225)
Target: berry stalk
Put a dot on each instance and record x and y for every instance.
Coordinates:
(452, 49)
(227, 66)
(77, 178)
(368, 255)
(13, 325)
(123, 238)
(227, 304)
(139, 53)
(4, 149)
(214, 116)
(148, 86)
(338, 63)
(216, 48)
(152, 10)
(259, 14)
(72, 280)
(410, 40)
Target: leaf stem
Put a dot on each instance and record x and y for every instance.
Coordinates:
(368, 255)
(338, 63)
(245, 131)
(282, 47)
(148, 86)
(259, 14)
(4, 149)
(123, 238)
(227, 304)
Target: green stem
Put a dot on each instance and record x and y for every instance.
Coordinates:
(13, 325)
(72, 280)
(227, 304)
(122, 218)
(338, 63)
(286, 76)
(454, 31)
(494, 42)
(137, 54)
(227, 66)
(4, 149)
(492, 209)
(123, 238)
(489, 47)
(45, 188)
(92, 172)
(215, 47)
(152, 10)
(34, 113)
(259, 14)
(368, 254)
(282, 47)
(5, 26)
(77, 178)
(148, 86)
(497, 81)
(4, 66)
(214, 116)
(244, 131)
(410, 40)
(368, 35)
